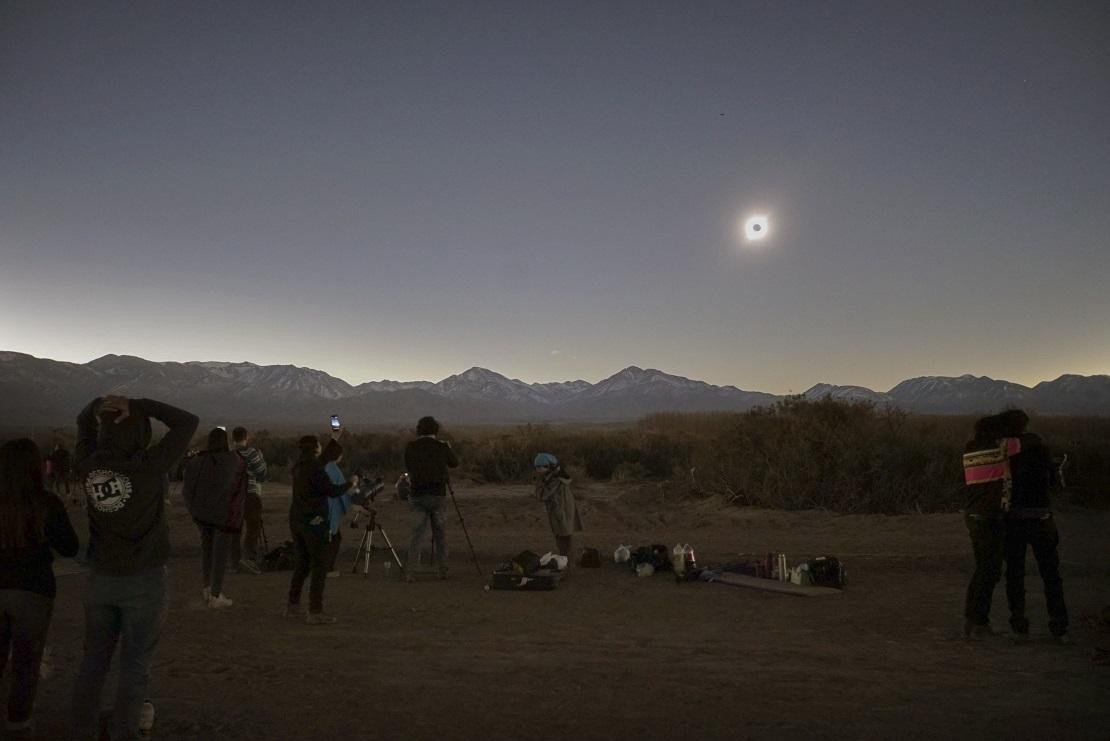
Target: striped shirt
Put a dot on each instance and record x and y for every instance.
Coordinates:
(256, 469)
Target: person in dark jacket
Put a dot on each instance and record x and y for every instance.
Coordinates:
(215, 491)
(124, 478)
(1030, 524)
(33, 522)
(427, 460)
(989, 490)
(308, 523)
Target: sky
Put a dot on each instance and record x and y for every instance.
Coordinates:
(554, 190)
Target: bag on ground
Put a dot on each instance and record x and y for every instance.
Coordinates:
(281, 558)
(827, 571)
(526, 563)
(591, 559)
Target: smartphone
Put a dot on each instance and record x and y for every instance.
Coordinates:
(335, 423)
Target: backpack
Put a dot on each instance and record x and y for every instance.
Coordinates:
(526, 563)
(827, 571)
(591, 559)
(659, 556)
(281, 558)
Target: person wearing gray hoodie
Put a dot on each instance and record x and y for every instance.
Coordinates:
(124, 478)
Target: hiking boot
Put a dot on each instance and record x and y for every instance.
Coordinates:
(146, 718)
(219, 601)
(293, 611)
(249, 567)
(333, 574)
(319, 618)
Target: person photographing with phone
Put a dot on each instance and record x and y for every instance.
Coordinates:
(309, 525)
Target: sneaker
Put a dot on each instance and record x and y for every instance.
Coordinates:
(206, 593)
(219, 601)
(249, 567)
(319, 618)
(293, 611)
(146, 719)
(333, 574)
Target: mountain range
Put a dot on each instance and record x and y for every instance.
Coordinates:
(49, 392)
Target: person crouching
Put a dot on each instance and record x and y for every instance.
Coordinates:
(215, 493)
(553, 489)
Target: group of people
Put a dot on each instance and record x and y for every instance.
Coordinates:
(1009, 473)
(322, 495)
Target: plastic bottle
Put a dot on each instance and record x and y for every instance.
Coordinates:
(678, 559)
(690, 561)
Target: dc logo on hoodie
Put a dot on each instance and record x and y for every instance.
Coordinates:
(107, 491)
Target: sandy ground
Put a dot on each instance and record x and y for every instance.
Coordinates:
(611, 656)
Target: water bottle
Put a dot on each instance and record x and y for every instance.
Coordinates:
(690, 561)
(678, 559)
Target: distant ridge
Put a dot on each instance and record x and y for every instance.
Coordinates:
(40, 391)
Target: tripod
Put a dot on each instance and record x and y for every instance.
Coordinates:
(366, 544)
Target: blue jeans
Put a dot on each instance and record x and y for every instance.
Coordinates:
(129, 610)
(427, 509)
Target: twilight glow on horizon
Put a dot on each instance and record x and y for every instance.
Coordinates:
(559, 190)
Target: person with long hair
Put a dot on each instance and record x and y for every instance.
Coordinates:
(308, 524)
(215, 492)
(33, 523)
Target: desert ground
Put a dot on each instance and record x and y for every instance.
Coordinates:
(612, 656)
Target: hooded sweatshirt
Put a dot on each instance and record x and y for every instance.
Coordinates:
(124, 479)
(216, 489)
